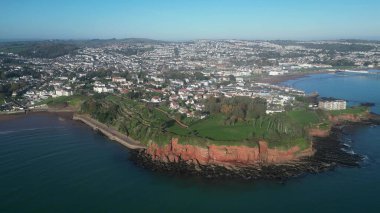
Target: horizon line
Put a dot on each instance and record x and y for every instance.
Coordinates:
(178, 40)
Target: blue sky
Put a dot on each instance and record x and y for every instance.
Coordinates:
(190, 19)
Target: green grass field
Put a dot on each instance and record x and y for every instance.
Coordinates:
(213, 128)
(303, 117)
(147, 123)
(73, 101)
(324, 126)
(353, 110)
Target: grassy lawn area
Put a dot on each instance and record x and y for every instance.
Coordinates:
(213, 128)
(176, 129)
(212, 131)
(353, 110)
(73, 101)
(303, 117)
(148, 124)
(324, 126)
(288, 143)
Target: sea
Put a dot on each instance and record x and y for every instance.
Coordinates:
(54, 164)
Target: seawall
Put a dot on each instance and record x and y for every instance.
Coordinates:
(109, 132)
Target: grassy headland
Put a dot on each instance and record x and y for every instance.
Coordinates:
(240, 121)
(230, 121)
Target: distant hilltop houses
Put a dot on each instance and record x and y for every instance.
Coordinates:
(180, 75)
(332, 104)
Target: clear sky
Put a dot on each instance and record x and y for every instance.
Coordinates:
(190, 19)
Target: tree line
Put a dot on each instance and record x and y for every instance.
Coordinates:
(237, 108)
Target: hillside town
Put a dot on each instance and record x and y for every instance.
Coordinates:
(178, 75)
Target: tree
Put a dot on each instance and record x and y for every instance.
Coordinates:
(232, 78)
(341, 62)
(237, 108)
(2, 75)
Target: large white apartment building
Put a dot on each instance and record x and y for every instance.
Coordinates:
(332, 104)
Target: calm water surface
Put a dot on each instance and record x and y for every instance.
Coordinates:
(50, 164)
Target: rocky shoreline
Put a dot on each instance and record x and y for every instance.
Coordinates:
(329, 153)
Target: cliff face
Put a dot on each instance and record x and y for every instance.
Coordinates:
(336, 120)
(225, 155)
(240, 155)
(315, 132)
(348, 117)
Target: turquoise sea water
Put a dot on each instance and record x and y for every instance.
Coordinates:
(50, 164)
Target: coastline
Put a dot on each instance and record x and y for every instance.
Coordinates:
(111, 133)
(329, 153)
(16, 114)
(282, 78)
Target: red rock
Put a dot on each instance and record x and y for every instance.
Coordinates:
(225, 155)
(315, 132)
(347, 117)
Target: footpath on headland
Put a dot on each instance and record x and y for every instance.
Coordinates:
(109, 132)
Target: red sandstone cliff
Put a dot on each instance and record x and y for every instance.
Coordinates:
(336, 119)
(225, 155)
(315, 132)
(240, 155)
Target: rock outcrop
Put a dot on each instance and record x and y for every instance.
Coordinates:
(261, 162)
(241, 156)
(225, 155)
(315, 132)
(327, 153)
(336, 119)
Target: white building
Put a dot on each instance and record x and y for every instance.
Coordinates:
(103, 89)
(174, 105)
(155, 99)
(274, 73)
(332, 104)
(62, 92)
(119, 80)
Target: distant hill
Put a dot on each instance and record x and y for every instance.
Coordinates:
(342, 46)
(39, 49)
(57, 48)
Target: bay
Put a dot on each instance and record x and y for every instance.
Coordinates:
(52, 164)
